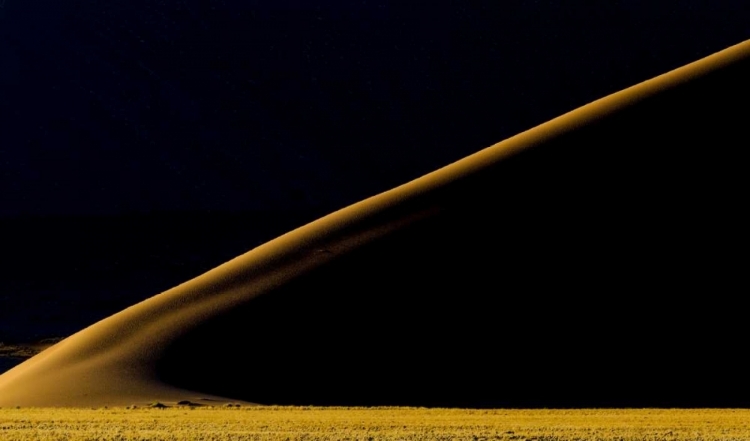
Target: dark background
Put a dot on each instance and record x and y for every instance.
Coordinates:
(144, 142)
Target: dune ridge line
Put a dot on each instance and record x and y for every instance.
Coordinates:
(112, 361)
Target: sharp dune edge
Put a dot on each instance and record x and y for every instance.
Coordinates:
(140, 355)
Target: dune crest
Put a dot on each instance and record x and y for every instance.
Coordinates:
(449, 265)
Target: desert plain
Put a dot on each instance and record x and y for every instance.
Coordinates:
(271, 423)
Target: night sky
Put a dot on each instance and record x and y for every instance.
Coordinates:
(143, 142)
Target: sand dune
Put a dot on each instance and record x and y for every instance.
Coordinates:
(483, 274)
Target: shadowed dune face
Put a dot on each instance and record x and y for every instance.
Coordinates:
(552, 269)
(535, 276)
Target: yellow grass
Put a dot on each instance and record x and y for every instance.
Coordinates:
(280, 423)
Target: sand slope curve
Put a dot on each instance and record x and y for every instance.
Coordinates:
(500, 256)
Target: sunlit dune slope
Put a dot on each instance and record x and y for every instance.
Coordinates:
(489, 282)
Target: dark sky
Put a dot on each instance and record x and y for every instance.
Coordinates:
(143, 142)
(116, 107)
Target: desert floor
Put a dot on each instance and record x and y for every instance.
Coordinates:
(276, 423)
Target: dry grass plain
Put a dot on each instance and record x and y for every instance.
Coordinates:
(297, 423)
